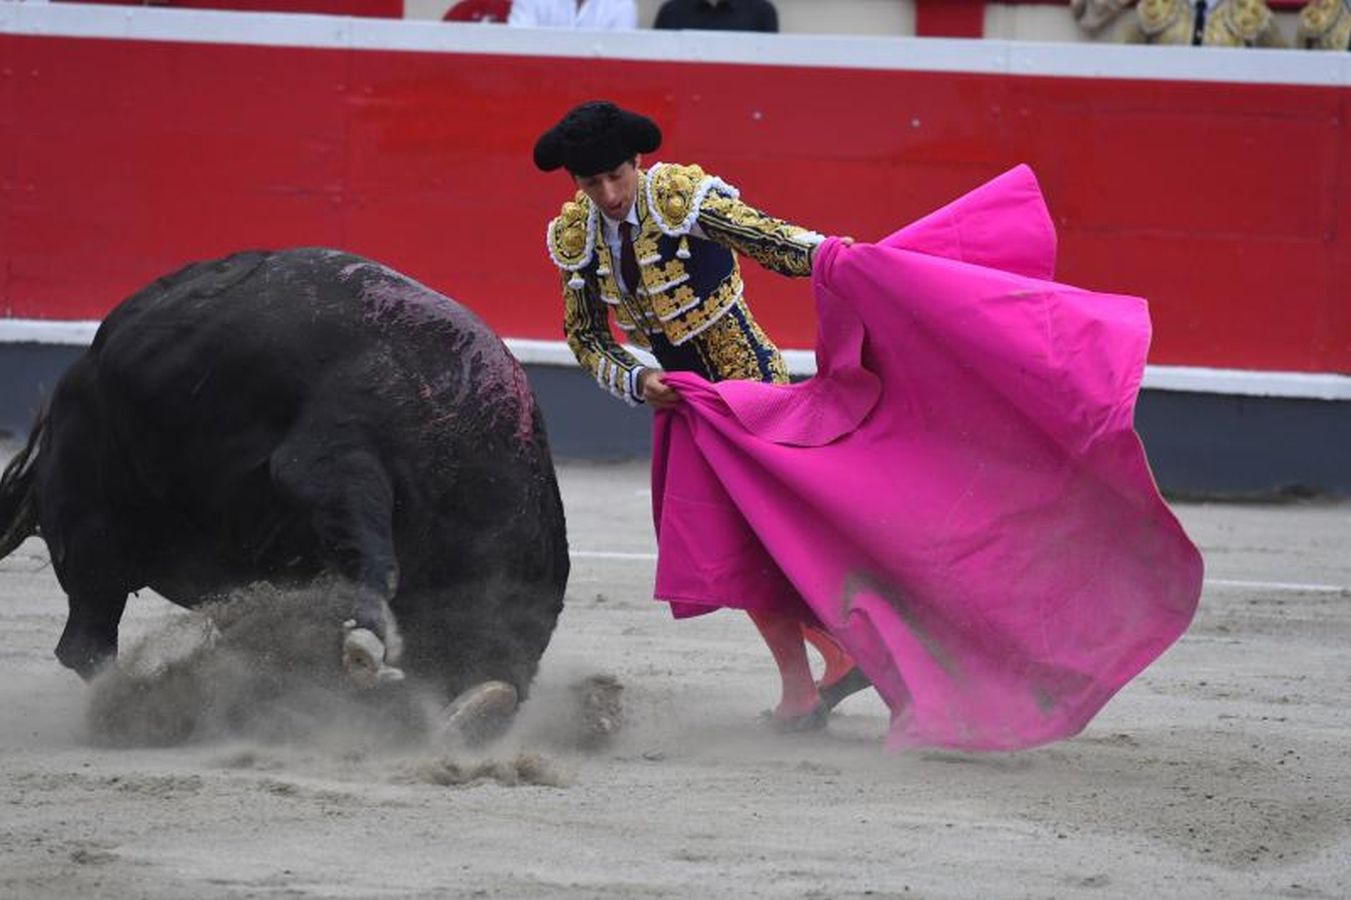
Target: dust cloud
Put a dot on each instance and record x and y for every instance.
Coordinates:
(264, 666)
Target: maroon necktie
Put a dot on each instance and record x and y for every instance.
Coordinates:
(628, 261)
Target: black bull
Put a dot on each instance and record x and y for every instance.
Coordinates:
(284, 416)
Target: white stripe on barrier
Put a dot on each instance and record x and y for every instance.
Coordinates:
(1248, 383)
(1280, 586)
(1028, 58)
(802, 363)
(1286, 586)
(47, 331)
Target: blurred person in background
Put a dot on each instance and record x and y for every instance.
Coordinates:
(1208, 23)
(612, 15)
(1325, 25)
(718, 15)
(478, 11)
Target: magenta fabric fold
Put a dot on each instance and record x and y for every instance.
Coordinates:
(958, 495)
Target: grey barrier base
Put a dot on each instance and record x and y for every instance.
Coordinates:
(1199, 444)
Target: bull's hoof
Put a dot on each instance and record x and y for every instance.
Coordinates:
(602, 711)
(363, 658)
(480, 713)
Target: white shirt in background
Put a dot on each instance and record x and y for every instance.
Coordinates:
(598, 14)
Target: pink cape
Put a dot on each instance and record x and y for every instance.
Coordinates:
(958, 495)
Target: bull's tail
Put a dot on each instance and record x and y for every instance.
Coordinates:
(18, 496)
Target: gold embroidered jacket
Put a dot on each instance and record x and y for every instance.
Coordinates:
(688, 309)
(1229, 23)
(1325, 25)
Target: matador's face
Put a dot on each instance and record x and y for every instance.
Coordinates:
(613, 191)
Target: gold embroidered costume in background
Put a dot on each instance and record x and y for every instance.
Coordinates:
(1325, 25)
(1229, 23)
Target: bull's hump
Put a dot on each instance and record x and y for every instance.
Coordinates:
(298, 317)
(393, 301)
(469, 359)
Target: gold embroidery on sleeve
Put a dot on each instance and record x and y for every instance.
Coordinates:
(773, 243)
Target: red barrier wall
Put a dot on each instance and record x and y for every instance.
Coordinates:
(386, 9)
(1226, 204)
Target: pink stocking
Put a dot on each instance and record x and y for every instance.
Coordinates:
(837, 661)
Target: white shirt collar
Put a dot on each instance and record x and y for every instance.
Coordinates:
(612, 225)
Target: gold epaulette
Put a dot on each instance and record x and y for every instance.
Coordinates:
(571, 237)
(1317, 18)
(1244, 20)
(674, 194)
(1155, 18)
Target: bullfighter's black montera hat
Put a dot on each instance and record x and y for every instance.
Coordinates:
(594, 137)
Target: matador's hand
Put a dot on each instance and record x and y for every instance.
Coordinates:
(656, 392)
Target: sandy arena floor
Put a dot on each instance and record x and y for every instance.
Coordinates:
(1223, 771)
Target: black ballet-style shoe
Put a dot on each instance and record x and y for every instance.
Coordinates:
(830, 697)
(851, 682)
(813, 720)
